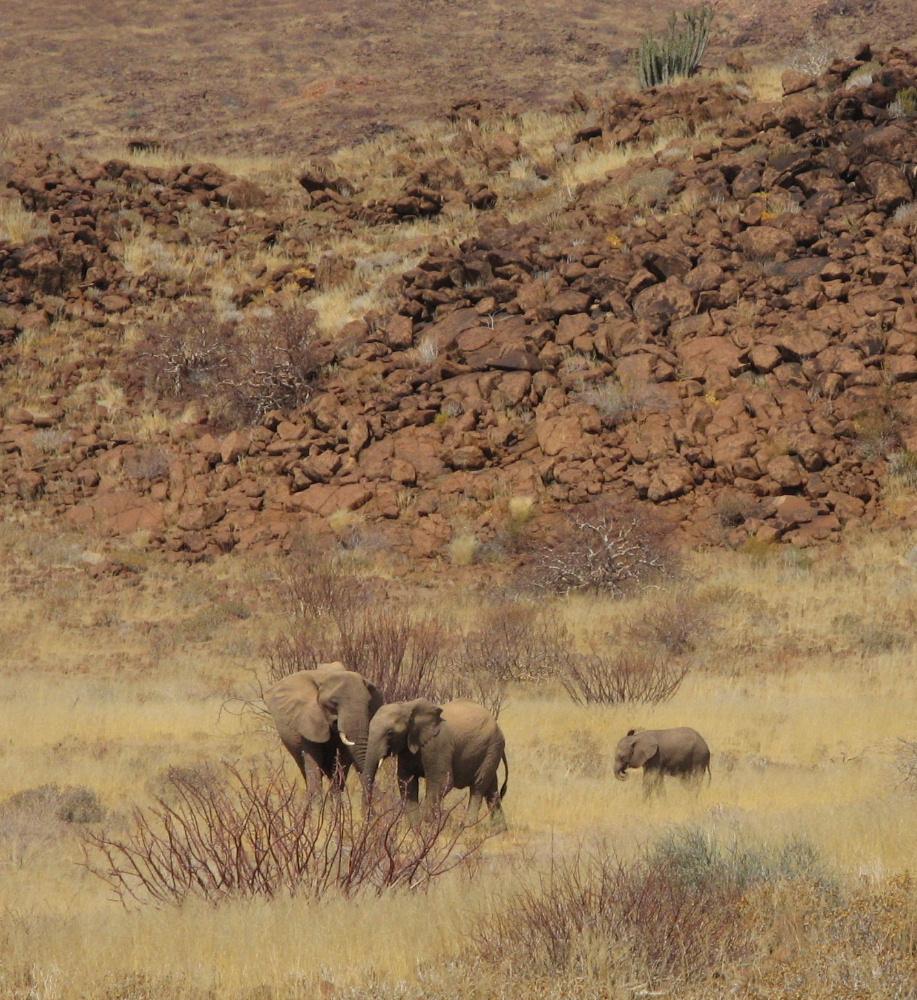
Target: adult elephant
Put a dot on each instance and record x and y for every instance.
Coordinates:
(458, 742)
(322, 717)
(682, 752)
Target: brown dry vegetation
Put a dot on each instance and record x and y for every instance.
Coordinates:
(801, 678)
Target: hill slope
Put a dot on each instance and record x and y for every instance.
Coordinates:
(691, 298)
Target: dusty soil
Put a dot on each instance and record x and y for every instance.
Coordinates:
(278, 77)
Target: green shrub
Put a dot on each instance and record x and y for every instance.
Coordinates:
(678, 52)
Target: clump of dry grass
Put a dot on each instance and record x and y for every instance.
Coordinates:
(17, 223)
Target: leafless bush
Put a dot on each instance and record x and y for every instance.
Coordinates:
(290, 652)
(404, 657)
(186, 357)
(274, 366)
(812, 57)
(609, 679)
(906, 762)
(401, 655)
(515, 643)
(238, 372)
(321, 588)
(477, 686)
(147, 464)
(673, 623)
(249, 832)
(602, 549)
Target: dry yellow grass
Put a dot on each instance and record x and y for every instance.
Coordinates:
(804, 681)
(17, 223)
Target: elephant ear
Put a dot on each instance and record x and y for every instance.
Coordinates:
(293, 702)
(376, 701)
(644, 749)
(425, 722)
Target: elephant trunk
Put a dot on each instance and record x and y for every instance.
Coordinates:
(373, 759)
(353, 734)
(620, 773)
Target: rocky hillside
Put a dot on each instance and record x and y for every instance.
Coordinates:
(717, 318)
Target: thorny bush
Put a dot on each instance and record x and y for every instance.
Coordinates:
(250, 831)
(602, 549)
(238, 373)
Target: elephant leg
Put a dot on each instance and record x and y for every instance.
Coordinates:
(652, 782)
(474, 807)
(433, 796)
(694, 780)
(311, 767)
(497, 819)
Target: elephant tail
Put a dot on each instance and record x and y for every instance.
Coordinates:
(506, 776)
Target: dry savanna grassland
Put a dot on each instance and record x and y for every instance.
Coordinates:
(801, 676)
(412, 335)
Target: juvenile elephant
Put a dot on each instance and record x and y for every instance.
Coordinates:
(459, 740)
(682, 752)
(322, 717)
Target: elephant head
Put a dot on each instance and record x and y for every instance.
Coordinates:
(333, 697)
(400, 726)
(634, 750)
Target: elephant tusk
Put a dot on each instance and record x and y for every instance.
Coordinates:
(344, 740)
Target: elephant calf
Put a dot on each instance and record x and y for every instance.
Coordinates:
(460, 741)
(682, 752)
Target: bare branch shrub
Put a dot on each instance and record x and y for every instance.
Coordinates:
(248, 832)
(673, 623)
(274, 366)
(401, 655)
(290, 652)
(238, 373)
(610, 679)
(404, 657)
(663, 926)
(515, 642)
(323, 589)
(602, 549)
